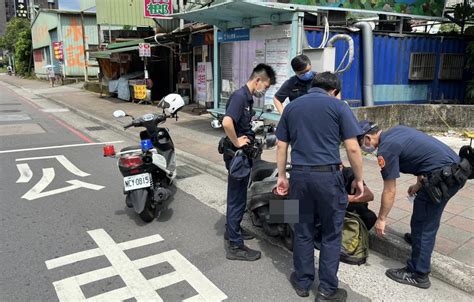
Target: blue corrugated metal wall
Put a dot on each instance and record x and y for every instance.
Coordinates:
(391, 66)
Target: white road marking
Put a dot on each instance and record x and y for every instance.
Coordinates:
(58, 147)
(63, 160)
(84, 255)
(25, 173)
(131, 276)
(137, 286)
(48, 176)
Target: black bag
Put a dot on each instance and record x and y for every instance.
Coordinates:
(467, 153)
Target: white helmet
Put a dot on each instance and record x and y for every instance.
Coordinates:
(171, 103)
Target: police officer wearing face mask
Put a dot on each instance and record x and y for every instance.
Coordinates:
(314, 126)
(440, 174)
(237, 126)
(297, 85)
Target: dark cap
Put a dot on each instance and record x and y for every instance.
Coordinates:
(365, 127)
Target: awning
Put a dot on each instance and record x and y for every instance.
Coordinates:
(105, 54)
(232, 14)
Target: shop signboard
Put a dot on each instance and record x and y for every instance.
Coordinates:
(58, 50)
(144, 49)
(201, 82)
(21, 8)
(159, 9)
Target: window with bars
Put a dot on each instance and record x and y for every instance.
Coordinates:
(451, 66)
(422, 66)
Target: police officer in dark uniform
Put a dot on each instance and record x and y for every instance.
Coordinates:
(296, 86)
(314, 126)
(237, 126)
(440, 174)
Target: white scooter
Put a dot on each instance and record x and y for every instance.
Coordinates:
(149, 169)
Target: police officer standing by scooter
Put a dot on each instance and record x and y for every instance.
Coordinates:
(237, 126)
(296, 86)
(440, 174)
(314, 126)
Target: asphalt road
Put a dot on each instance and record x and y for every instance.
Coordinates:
(59, 197)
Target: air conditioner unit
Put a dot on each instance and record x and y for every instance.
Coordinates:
(322, 59)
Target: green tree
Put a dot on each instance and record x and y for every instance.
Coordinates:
(17, 40)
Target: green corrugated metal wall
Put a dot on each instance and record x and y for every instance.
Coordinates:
(71, 35)
(40, 30)
(128, 12)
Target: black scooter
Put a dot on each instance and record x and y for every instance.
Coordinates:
(262, 185)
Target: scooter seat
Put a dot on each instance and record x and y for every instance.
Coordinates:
(262, 169)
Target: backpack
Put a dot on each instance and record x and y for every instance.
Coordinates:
(355, 240)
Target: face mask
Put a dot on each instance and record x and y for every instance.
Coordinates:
(307, 76)
(259, 93)
(366, 149)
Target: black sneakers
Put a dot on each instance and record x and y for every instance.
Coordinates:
(242, 253)
(302, 292)
(340, 295)
(245, 235)
(407, 238)
(405, 276)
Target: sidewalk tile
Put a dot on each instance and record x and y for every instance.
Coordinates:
(464, 254)
(455, 208)
(445, 246)
(469, 213)
(397, 214)
(453, 233)
(470, 244)
(462, 223)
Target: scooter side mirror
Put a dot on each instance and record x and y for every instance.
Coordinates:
(119, 113)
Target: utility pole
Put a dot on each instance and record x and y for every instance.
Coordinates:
(86, 71)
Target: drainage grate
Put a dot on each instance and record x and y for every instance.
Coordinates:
(10, 110)
(95, 128)
(186, 171)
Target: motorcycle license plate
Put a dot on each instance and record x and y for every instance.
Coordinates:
(137, 181)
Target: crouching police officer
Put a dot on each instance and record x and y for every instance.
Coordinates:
(296, 86)
(314, 125)
(237, 126)
(440, 174)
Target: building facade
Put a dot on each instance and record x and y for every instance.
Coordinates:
(52, 26)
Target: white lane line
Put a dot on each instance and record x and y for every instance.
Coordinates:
(59, 147)
(25, 173)
(131, 276)
(63, 160)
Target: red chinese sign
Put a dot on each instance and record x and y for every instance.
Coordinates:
(160, 9)
(58, 50)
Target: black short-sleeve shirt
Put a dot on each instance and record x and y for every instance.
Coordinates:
(314, 125)
(407, 150)
(292, 88)
(240, 107)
